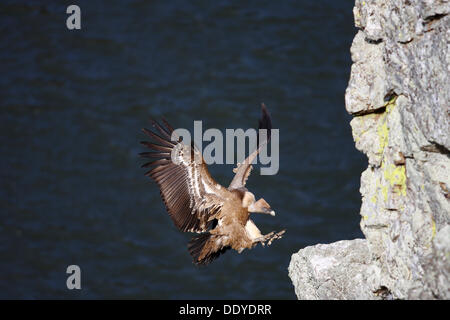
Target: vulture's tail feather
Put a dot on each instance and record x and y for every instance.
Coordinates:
(203, 250)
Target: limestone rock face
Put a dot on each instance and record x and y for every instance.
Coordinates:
(333, 271)
(399, 95)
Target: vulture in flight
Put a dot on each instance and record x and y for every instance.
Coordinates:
(197, 203)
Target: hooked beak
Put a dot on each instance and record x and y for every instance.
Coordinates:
(261, 206)
(269, 211)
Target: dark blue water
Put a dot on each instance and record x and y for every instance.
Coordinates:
(72, 104)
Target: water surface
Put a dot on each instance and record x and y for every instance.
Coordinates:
(72, 104)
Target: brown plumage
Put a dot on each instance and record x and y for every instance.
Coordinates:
(197, 203)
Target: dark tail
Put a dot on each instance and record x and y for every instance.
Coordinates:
(200, 246)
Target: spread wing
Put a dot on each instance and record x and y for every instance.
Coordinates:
(191, 196)
(244, 169)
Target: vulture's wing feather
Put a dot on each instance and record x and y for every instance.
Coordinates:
(244, 169)
(191, 196)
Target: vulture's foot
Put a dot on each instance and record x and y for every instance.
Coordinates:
(270, 237)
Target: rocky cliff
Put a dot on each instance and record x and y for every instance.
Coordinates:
(399, 96)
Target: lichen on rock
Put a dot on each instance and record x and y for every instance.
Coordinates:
(399, 95)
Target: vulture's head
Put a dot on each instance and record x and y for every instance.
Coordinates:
(260, 206)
